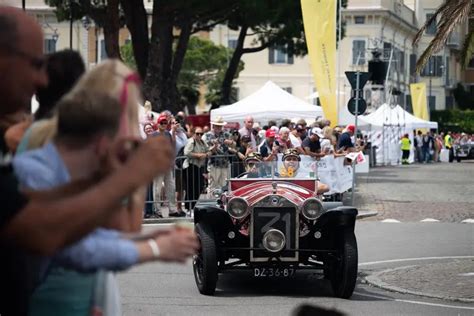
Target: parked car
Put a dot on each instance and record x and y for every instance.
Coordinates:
(464, 151)
(274, 225)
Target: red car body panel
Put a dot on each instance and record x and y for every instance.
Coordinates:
(295, 191)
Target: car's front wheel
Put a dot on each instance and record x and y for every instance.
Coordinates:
(205, 262)
(343, 275)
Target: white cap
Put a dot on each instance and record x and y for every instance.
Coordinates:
(317, 131)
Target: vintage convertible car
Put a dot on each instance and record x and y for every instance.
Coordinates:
(273, 224)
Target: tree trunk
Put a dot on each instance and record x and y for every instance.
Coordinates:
(112, 29)
(164, 65)
(229, 76)
(137, 24)
(157, 87)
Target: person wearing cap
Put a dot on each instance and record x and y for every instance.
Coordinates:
(270, 148)
(247, 130)
(291, 163)
(252, 162)
(218, 142)
(345, 141)
(167, 179)
(311, 145)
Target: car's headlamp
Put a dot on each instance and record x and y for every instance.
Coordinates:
(237, 208)
(274, 240)
(312, 209)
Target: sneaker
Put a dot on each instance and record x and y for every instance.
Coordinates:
(177, 214)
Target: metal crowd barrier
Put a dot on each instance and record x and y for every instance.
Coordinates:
(182, 179)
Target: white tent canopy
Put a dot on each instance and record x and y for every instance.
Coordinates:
(386, 116)
(270, 102)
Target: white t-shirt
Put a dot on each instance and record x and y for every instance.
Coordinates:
(295, 141)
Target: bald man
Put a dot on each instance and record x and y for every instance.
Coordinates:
(43, 222)
(247, 131)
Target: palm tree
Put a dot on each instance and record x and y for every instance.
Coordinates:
(449, 15)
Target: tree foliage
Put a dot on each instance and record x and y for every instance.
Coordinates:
(464, 99)
(269, 23)
(204, 65)
(447, 17)
(454, 120)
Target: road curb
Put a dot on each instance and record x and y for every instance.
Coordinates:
(365, 214)
(375, 280)
(362, 214)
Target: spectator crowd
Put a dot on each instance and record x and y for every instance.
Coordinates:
(208, 155)
(428, 145)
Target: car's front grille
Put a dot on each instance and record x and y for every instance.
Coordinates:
(281, 218)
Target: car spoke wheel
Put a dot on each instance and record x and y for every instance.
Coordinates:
(344, 274)
(205, 262)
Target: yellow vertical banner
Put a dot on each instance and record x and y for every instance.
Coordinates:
(319, 18)
(418, 100)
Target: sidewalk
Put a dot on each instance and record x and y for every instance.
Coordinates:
(415, 192)
(452, 280)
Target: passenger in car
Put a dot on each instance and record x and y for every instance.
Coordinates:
(291, 164)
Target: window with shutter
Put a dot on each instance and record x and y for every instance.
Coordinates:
(271, 55)
(439, 66)
(49, 46)
(432, 28)
(279, 54)
(433, 68)
(412, 64)
(358, 52)
(387, 49)
(290, 52)
(446, 72)
(432, 102)
(103, 52)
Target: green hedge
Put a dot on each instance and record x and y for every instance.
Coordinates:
(454, 120)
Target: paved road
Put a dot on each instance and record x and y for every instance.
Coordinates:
(159, 289)
(442, 191)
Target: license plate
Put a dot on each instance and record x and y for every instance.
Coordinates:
(273, 272)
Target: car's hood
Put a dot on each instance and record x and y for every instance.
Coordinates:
(254, 192)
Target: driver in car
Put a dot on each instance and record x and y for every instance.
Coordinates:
(252, 165)
(291, 164)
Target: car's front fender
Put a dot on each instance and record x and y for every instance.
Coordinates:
(339, 216)
(215, 216)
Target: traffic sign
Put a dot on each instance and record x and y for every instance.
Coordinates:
(361, 107)
(363, 78)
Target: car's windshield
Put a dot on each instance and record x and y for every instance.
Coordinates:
(302, 167)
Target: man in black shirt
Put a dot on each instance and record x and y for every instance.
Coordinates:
(311, 144)
(345, 141)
